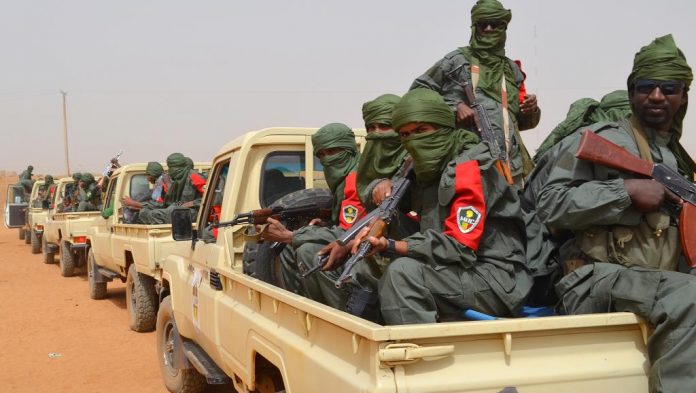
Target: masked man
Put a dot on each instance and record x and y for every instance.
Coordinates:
(497, 83)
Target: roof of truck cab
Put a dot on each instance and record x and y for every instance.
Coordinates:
(141, 166)
(249, 138)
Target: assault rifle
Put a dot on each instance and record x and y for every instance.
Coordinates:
(483, 126)
(599, 150)
(290, 216)
(377, 220)
(112, 164)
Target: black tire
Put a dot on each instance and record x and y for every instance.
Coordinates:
(141, 300)
(35, 243)
(67, 260)
(260, 260)
(27, 236)
(22, 235)
(97, 290)
(176, 381)
(48, 257)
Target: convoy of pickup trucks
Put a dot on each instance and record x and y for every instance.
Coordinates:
(218, 321)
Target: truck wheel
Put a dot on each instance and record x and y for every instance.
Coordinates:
(27, 236)
(141, 300)
(97, 290)
(260, 260)
(176, 381)
(22, 235)
(48, 256)
(35, 243)
(67, 260)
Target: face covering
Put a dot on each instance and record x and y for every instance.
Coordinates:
(336, 167)
(430, 152)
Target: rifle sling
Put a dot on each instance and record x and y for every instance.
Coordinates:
(641, 140)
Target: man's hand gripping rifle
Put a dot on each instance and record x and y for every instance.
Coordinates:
(377, 220)
(599, 150)
(291, 216)
(483, 126)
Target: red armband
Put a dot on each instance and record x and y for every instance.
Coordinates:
(467, 216)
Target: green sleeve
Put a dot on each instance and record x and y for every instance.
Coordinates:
(579, 194)
(436, 78)
(315, 234)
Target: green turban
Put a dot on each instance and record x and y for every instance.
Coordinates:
(488, 51)
(336, 166)
(334, 135)
(177, 166)
(178, 169)
(487, 10)
(87, 179)
(422, 105)
(154, 169)
(380, 109)
(189, 162)
(30, 168)
(663, 60)
(48, 180)
(77, 176)
(383, 153)
(431, 150)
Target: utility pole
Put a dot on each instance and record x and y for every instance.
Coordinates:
(65, 130)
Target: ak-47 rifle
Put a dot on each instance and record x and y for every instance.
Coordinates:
(599, 150)
(483, 126)
(291, 216)
(111, 164)
(378, 219)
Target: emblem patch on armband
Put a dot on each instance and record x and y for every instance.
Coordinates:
(349, 213)
(467, 218)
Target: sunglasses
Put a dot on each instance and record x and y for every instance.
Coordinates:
(668, 88)
(494, 24)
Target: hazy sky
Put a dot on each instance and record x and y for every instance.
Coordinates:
(152, 77)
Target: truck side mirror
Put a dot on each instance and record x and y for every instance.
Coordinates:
(182, 228)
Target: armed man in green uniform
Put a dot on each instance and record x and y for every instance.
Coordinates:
(186, 190)
(334, 145)
(497, 82)
(624, 248)
(469, 253)
(26, 181)
(89, 197)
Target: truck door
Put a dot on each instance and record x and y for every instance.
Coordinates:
(101, 231)
(209, 252)
(15, 207)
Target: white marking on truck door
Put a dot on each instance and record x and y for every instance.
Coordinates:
(195, 283)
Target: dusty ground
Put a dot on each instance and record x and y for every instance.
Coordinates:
(42, 313)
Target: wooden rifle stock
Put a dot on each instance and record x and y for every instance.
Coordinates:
(599, 150)
(602, 151)
(687, 233)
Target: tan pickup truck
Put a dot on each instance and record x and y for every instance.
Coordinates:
(130, 252)
(66, 232)
(37, 214)
(217, 324)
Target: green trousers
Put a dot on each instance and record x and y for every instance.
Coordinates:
(411, 291)
(665, 299)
